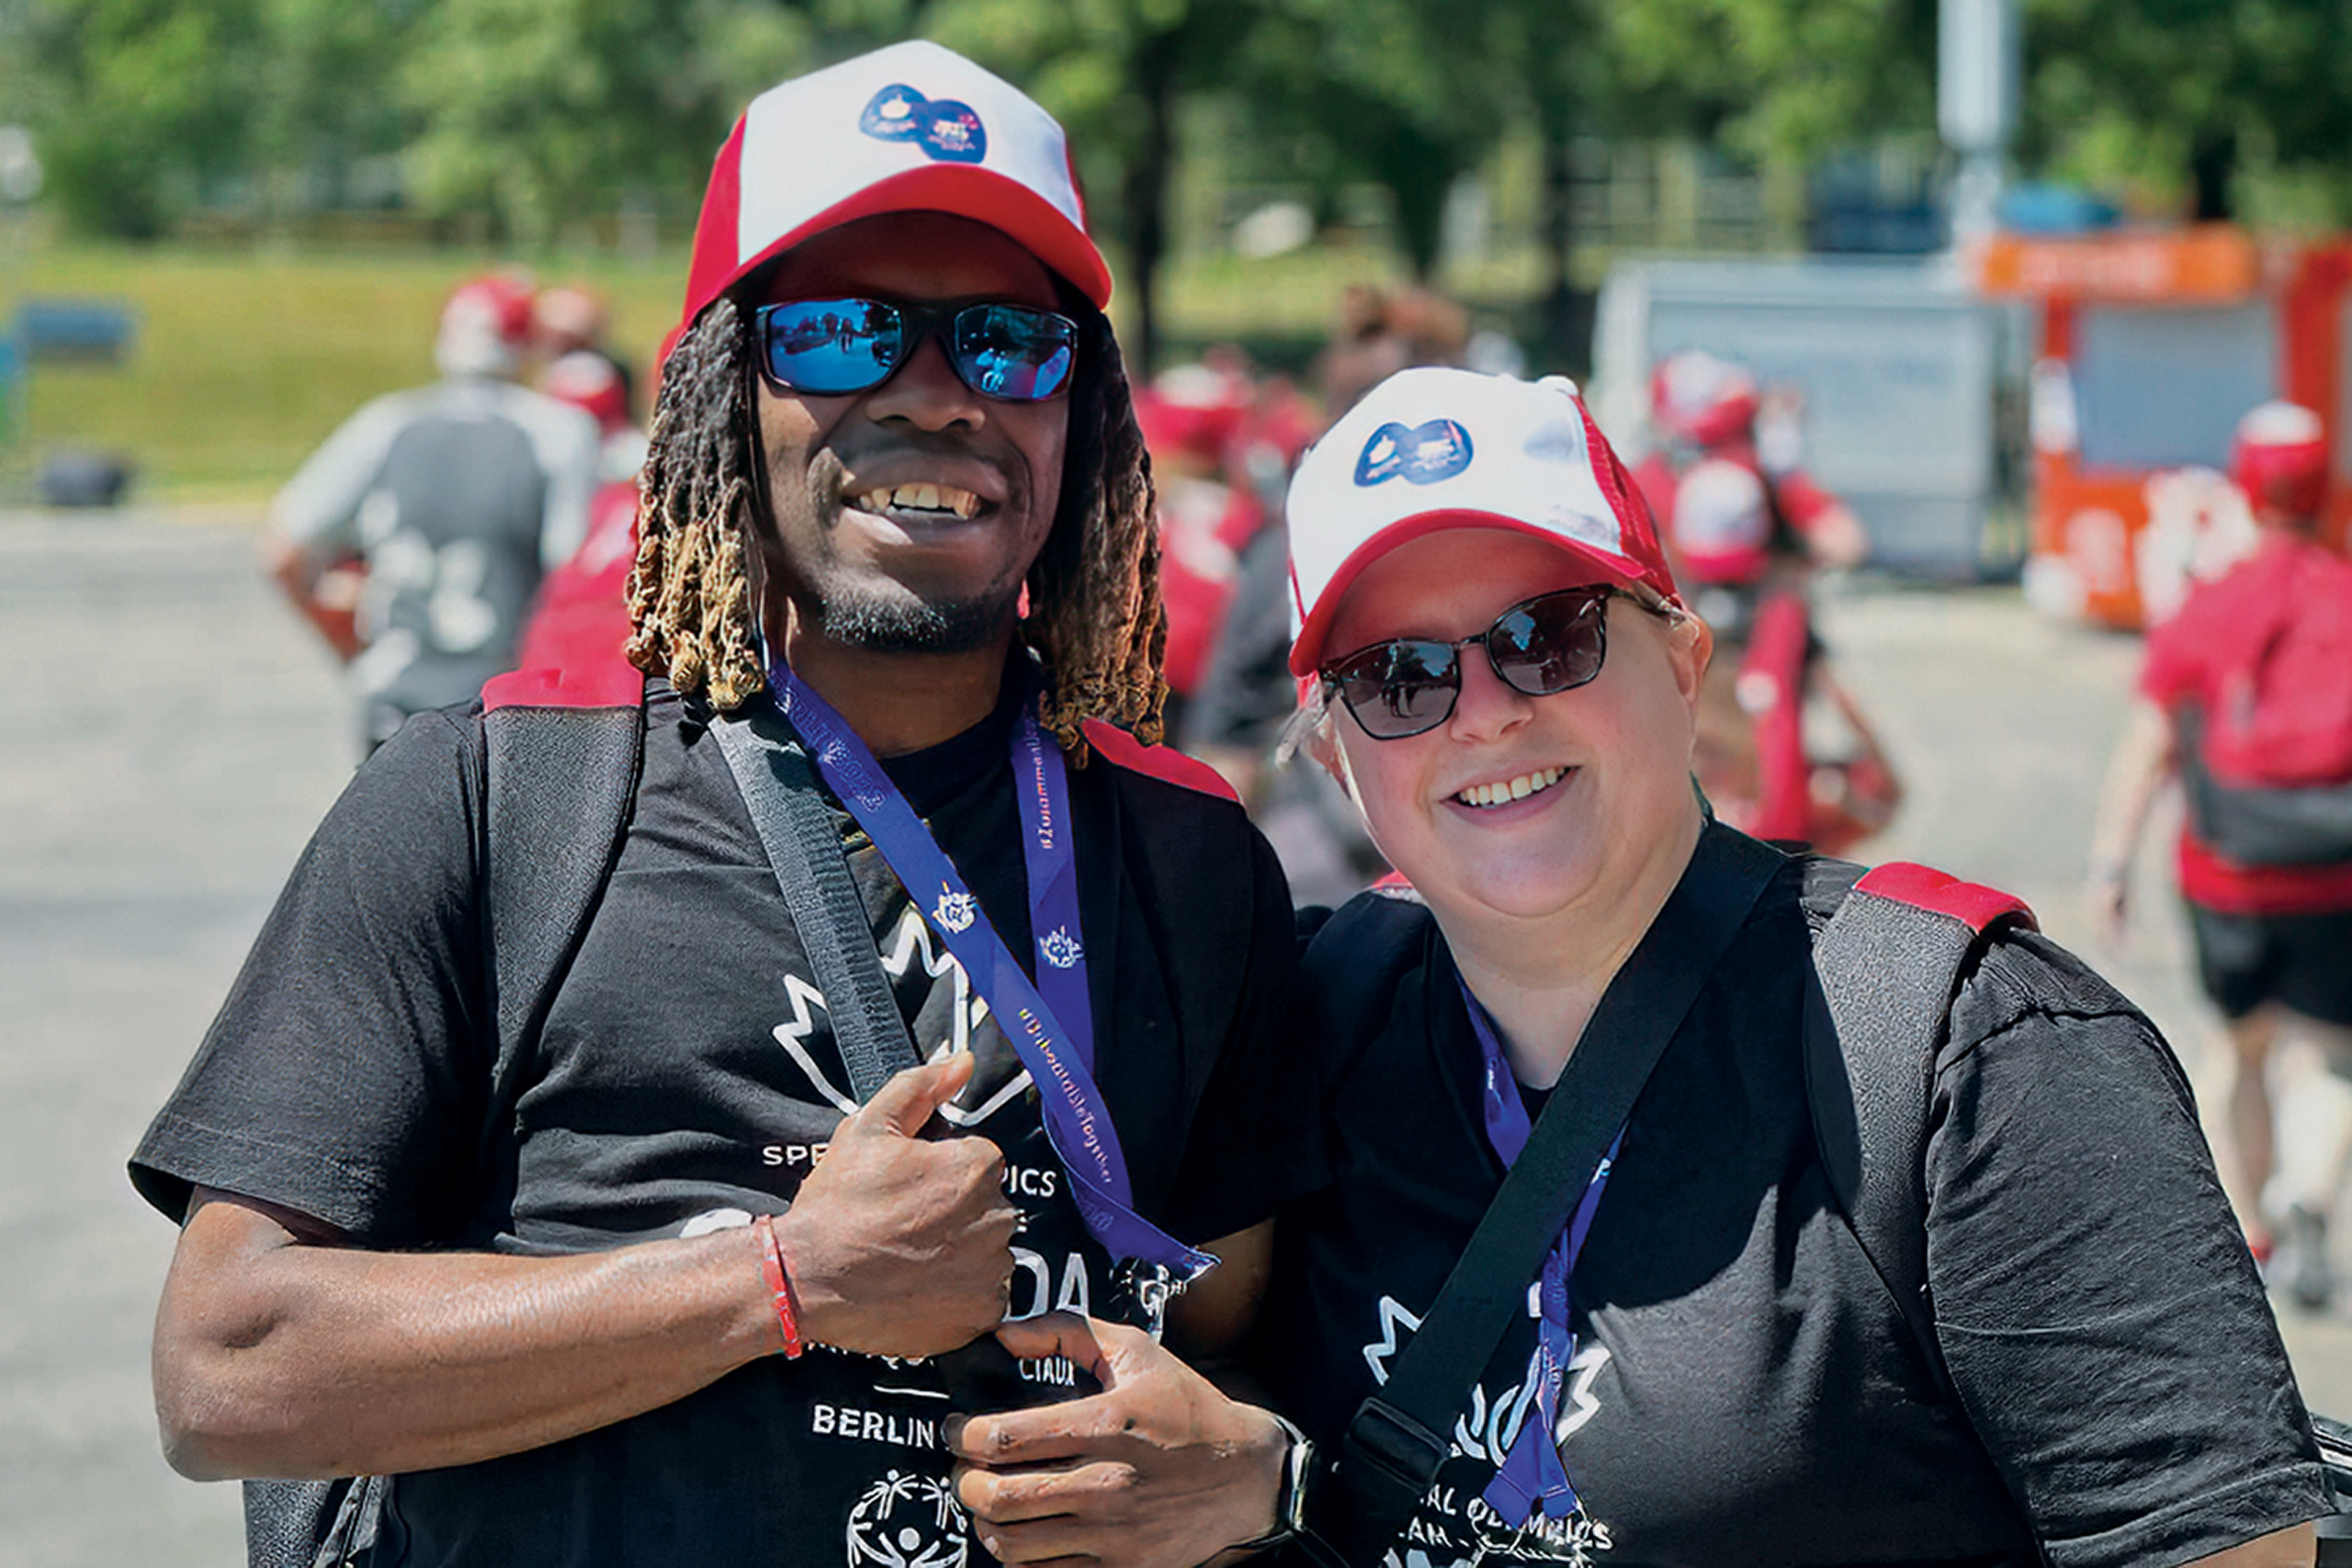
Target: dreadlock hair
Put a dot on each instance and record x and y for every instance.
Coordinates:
(1094, 619)
(690, 610)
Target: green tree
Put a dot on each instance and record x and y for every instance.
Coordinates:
(2177, 98)
(541, 113)
(134, 102)
(1113, 71)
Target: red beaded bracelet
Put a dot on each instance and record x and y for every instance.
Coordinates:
(772, 1265)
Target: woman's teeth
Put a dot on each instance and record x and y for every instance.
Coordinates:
(943, 499)
(1519, 789)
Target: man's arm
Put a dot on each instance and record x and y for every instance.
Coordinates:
(282, 1350)
(313, 541)
(2294, 1546)
(2143, 760)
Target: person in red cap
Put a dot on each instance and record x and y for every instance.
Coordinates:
(415, 537)
(918, 991)
(1689, 1352)
(581, 618)
(2246, 697)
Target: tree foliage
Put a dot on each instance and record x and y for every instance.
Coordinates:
(2173, 98)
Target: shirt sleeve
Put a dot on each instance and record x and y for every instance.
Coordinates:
(319, 509)
(571, 454)
(2172, 670)
(342, 1076)
(2094, 1300)
(1801, 500)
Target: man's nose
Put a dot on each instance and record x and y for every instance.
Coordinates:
(927, 393)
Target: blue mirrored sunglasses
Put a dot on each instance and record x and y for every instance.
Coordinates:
(828, 347)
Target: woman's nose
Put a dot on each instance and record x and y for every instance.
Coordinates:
(1488, 705)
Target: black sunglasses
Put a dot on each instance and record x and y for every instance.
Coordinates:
(1554, 642)
(829, 347)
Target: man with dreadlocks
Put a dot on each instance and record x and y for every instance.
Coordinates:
(669, 1276)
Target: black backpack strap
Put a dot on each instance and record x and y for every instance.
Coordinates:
(1392, 1451)
(562, 750)
(1890, 961)
(779, 787)
(561, 781)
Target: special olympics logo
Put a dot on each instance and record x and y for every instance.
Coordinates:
(955, 911)
(1422, 454)
(1061, 948)
(907, 1521)
(947, 130)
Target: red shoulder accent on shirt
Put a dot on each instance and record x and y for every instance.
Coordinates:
(607, 683)
(1157, 762)
(1925, 887)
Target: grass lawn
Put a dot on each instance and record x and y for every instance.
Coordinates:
(245, 358)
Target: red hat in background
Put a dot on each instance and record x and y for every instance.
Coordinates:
(587, 380)
(2280, 458)
(914, 127)
(1432, 448)
(501, 300)
(1696, 398)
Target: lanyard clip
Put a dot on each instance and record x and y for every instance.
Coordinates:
(1153, 1285)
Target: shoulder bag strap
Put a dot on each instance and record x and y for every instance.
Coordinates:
(1392, 1450)
(1889, 963)
(780, 788)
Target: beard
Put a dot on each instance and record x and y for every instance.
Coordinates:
(856, 616)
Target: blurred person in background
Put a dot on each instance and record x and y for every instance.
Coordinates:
(570, 319)
(672, 1269)
(1383, 331)
(415, 537)
(2246, 697)
(1710, 1361)
(1702, 409)
(1785, 751)
(581, 618)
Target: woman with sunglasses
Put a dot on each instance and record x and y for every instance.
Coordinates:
(1707, 1368)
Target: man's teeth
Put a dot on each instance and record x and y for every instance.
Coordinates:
(922, 498)
(1519, 789)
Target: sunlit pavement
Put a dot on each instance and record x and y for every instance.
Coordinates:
(174, 732)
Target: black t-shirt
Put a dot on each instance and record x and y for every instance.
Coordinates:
(1742, 1390)
(686, 1077)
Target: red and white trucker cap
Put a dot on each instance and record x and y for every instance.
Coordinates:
(1432, 448)
(2280, 458)
(907, 129)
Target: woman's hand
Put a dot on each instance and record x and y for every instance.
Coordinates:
(1159, 1470)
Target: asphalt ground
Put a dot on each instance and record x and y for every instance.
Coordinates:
(172, 733)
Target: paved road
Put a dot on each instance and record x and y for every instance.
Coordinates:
(174, 733)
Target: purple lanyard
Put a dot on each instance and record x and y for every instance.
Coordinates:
(1532, 1475)
(1059, 1058)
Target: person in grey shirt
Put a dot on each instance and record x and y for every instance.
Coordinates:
(415, 538)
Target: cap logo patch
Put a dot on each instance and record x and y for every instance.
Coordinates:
(947, 130)
(1420, 455)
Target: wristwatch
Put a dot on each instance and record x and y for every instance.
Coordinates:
(1290, 1500)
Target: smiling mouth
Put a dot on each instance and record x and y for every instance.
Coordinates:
(933, 501)
(1488, 795)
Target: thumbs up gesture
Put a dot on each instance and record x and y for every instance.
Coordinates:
(899, 1245)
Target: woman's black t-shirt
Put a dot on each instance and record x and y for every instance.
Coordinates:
(1742, 1390)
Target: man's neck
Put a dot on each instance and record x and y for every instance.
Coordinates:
(898, 703)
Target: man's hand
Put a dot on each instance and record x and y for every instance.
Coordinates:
(1158, 1471)
(897, 1244)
